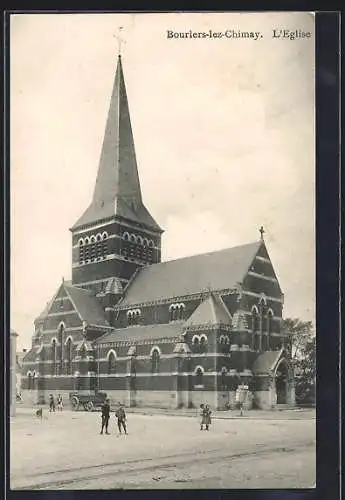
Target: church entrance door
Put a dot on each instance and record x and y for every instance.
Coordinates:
(283, 383)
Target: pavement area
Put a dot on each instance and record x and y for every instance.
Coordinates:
(162, 451)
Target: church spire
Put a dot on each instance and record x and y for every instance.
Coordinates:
(117, 190)
(117, 171)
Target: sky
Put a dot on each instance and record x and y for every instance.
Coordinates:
(223, 130)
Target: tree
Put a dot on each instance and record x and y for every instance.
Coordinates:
(299, 334)
(302, 342)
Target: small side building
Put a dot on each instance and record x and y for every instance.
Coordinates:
(13, 370)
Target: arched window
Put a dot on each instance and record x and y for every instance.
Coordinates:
(132, 247)
(181, 309)
(125, 236)
(138, 252)
(68, 350)
(255, 319)
(129, 317)
(269, 320)
(61, 330)
(255, 328)
(133, 316)
(54, 357)
(124, 252)
(99, 247)
(150, 251)
(81, 251)
(196, 340)
(111, 362)
(103, 247)
(60, 340)
(195, 343)
(155, 360)
(137, 316)
(92, 249)
(203, 343)
(199, 376)
(176, 311)
(87, 250)
(171, 312)
(269, 329)
(145, 248)
(30, 380)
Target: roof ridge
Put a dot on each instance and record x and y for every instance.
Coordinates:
(207, 253)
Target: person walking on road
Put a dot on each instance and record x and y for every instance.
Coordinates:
(121, 419)
(105, 416)
(51, 403)
(207, 416)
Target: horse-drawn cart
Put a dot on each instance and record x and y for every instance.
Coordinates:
(89, 402)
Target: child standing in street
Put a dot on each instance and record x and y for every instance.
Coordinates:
(121, 419)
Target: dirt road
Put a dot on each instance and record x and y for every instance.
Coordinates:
(65, 451)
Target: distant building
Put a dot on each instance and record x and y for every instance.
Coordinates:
(152, 333)
(19, 368)
(13, 369)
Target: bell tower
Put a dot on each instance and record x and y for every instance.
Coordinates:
(116, 235)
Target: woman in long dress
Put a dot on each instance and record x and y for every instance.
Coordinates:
(205, 413)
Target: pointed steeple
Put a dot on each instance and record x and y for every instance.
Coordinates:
(117, 190)
(118, 172)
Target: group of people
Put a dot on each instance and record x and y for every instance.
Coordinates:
(58, 405)
(120, 414)
(205, 414)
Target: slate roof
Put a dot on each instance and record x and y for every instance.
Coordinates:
(45, 311)
(87, 305)
(239, 321)
(114, 286)
(182, 347)
(216, 270)
(100, 210)
(30, 356)
(144, 332)
(266, 361)
(117, 189)
(212, 311)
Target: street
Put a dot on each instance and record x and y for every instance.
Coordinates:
(65, 451)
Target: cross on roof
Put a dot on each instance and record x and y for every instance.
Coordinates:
(119, 39)
(262, 232)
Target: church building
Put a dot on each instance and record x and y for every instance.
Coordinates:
(149, 333)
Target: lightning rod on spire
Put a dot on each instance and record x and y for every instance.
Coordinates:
(119, 40)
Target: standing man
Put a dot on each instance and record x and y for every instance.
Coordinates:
(208, 413)
(121, 418)
(105, 416)
(51, 403)
(59, 402)
(202, 408)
